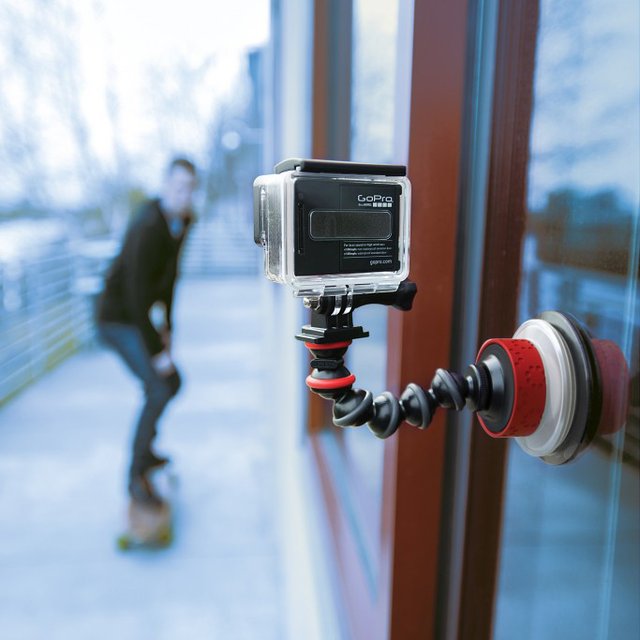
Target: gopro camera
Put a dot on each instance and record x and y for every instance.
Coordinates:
(334, 228)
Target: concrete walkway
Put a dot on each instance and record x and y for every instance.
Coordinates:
(63, 453)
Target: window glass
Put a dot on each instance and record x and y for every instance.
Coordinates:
(375, 40)
(375, 32)
(570, 565)
(373, 101)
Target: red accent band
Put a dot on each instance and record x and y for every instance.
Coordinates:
(328, 345)
(334, 383)
(529, 388)
(614, 379)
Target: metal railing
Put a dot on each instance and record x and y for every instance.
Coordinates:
(44, 315)
(47, 299)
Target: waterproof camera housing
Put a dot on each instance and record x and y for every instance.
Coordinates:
(334, 228)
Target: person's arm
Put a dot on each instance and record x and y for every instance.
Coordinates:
(168, 304)
(168, 293)
(139, 253)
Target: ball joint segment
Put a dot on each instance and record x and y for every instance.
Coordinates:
(542, 387)
(332, 380)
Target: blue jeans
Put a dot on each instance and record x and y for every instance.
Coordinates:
(127, 341)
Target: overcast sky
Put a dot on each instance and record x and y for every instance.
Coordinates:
(141, 34)
(129, 47)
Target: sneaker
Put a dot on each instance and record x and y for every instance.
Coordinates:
(141, 491)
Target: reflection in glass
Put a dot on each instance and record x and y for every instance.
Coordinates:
(374, 45)
(375, 33)
(570, 565)
(357, 452)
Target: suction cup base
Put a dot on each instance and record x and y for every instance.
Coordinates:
(574, 399)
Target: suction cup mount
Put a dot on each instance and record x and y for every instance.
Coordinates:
(542, 387)
(574, 391)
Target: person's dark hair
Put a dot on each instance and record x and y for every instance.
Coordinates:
(184, 164)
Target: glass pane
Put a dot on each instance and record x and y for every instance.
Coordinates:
(375, 33)
(356, 455)
(570, 565)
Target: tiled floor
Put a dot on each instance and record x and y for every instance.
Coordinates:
(63, 450)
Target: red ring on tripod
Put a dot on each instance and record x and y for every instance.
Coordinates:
(331, 383)
(327, 345)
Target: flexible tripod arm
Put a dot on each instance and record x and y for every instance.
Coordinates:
(328, 337)
(506, 385)
(383, 415)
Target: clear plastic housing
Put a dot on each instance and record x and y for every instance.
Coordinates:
(274, 229)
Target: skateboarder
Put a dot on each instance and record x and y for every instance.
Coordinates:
(143, 276)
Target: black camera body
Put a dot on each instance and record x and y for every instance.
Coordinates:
(332, 228)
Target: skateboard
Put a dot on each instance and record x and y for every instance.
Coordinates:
(148, 526)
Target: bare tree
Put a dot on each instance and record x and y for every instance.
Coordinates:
(20, 128)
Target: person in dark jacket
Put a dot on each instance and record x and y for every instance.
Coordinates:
(143, 276)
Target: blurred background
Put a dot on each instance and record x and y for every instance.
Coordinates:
(97, 97)
(519, 122)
